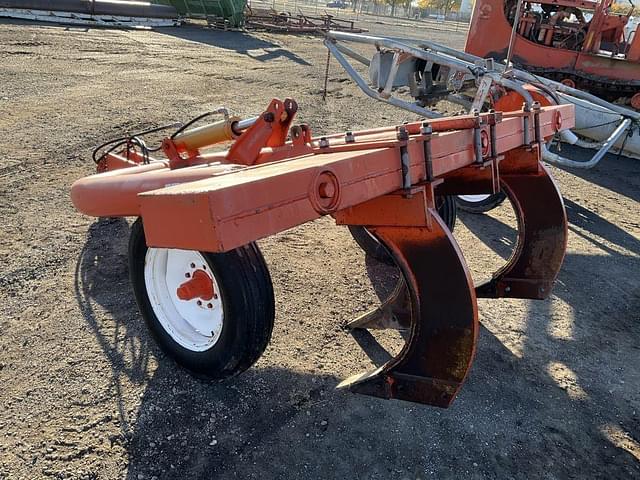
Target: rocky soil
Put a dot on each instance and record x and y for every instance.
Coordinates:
(85, 393)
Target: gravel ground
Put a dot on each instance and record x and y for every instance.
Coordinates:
(87, 395)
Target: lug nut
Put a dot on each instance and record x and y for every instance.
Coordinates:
(188, 275)
(209, 305)
(199, 303)
(193, 265)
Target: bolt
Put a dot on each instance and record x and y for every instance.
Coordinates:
(324, 143)
(426, 129)
(215, 295)
(199, 303)
(326, 190)
(193, 265)
(402, 133)
(348, 137)
(188, 275)
(507, 289)
(268, 117)
(209, 305)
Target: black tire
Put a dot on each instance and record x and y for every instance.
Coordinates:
(483, 206)
(446, 205)
(248, 305)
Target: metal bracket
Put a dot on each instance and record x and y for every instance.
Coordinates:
(477, 138)
(403, 136)
(426, 131)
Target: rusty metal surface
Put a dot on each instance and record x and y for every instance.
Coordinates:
(273, 21)
(444, 319)
(542, 238)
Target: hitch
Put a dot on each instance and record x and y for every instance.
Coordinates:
(204, 289)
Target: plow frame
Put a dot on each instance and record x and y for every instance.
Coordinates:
(385, 179)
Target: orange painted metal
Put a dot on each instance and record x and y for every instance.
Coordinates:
(593, 54)
(385, 179)
(226, 211)
(199, 285)
(270, 130)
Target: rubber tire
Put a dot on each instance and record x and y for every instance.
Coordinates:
(483, 206)
(248, 302)
(446, 205)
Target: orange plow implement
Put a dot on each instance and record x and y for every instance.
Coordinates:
(204, 289)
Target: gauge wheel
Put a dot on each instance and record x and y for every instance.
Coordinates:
(446, 205)
(212, 313)
(480, 203)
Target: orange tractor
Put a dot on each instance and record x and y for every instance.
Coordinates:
(580, 43)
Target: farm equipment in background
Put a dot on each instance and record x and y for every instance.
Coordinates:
(577, 42)
(283, 22)
(220, 13)
(204, 289)
(415, 75)
(103, 13)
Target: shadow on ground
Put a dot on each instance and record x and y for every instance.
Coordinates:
(244, 43)
(616, 173)
(240, 42)
(511, 420)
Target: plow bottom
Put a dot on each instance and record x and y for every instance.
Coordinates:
(443, 327)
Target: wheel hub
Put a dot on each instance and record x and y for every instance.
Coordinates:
(199, 286)
(191, 310)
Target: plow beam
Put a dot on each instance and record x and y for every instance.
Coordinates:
(297, 183)
(443, 331)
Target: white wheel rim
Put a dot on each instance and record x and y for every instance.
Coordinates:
(194, 323)
(474, 198)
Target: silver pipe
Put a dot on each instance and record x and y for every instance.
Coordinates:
(373, 93)
(392, 44)
(244, 124)
(556, 159)
(512, 38)
(473, 60)
(627, 112)
(517, 73)
(425, 55)
(353, 54)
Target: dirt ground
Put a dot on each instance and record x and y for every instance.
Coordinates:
(85, 393)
